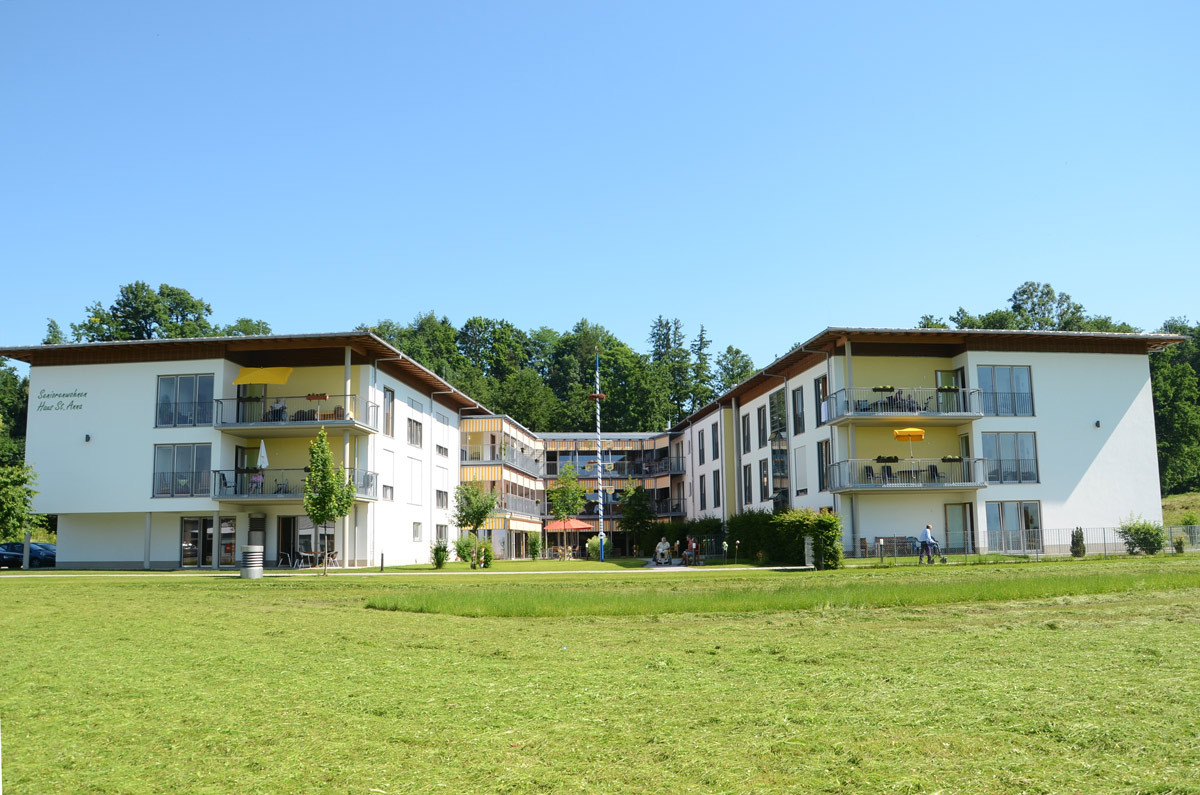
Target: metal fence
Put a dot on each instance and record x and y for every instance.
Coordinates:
(1022, 544)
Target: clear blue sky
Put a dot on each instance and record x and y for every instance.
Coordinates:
(766, 169)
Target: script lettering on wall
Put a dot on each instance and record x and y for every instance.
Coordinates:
(50, 400)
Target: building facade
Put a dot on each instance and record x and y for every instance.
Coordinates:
(174, 453)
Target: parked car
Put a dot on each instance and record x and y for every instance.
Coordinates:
(9, 560)
(39, 555)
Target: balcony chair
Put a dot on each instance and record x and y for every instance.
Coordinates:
(935, 474)
(886, 474)
(869, 474)
(284, 561)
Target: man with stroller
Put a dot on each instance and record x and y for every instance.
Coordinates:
(926, 545)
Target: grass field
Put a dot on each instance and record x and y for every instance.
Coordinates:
(1176, 505)
(290, 684)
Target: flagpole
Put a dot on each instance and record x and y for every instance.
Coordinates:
(596, 397)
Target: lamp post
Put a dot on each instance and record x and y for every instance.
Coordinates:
(596, 397)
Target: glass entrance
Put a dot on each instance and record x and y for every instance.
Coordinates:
(197, 540)
(960, 535)
(950, 401)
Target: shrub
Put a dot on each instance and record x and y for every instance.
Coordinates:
(465, 546)
(1190, 519)
(486, 554)
(1142, 536)
(1178, 542)
(827, 540)
(440, 553)
(752, 529)
(1078, 549)
(535, 545)
(593, 548)
(790, 528)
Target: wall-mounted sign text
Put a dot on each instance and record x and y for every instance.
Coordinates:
(49, 400)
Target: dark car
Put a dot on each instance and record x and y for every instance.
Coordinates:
(39, 555)
(9, 560)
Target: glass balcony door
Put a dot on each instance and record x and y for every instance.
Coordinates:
(197, 540)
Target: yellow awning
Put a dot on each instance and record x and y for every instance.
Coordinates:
(263, 375)
(909, 434)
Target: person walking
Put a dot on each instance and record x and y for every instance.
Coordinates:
(926, 544)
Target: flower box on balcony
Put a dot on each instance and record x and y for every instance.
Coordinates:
(887, 459)
(947, 389)
(883, 388)
(317, 396)
(952, 459)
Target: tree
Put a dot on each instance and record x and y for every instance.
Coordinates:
(141, 313)
(16, 501)
(328, 492)
(1176, 390)
(568, 496)
(702, 376)
(638, 515)
(1033, 306)
(244, 327)
(524, 397)
(14, 409)
(54, 334)
(472, 507)
(733, 367)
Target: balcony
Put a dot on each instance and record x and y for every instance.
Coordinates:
(500, 454)
(624, 469)
(525, 505)
(671, 507)
(294, 416)
(880, 406)
(1012, 470)
(911, 474)
(280, 484)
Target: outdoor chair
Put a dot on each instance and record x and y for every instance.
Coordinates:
(869, 474)
(284, 561)
(887, 475)
(935, 474)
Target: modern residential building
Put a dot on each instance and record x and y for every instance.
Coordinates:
(173, 453)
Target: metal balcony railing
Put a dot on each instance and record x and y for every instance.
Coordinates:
(182, 484)
(312, 409)
(1012, 470)
(500, 454)
(909, 473)
(1007, 404)
(280, 483)
(525, 505)
(906, 401)
(670, 507)
(623, 469)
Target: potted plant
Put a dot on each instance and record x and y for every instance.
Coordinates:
(952, 459)
(887, 459)
(883, 388)
(947, 389)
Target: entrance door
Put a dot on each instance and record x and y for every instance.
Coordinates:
(960, 535)
(197, 540)
(950, 401)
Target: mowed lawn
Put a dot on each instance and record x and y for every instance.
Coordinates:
(185, 684)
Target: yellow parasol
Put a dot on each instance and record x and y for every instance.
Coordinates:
(909, 435)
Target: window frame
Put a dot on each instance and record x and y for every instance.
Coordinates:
(993, 401)
(419, 434)
(824, 462)
(716, 481)
(763, 432)
(703, 495)
(746, 432)
(716, 448)
(764, 480)
(389, 412)
(195, 476)
(797, 411)
(747, 484)
(196, 419)
(821, 399)
(997, 446)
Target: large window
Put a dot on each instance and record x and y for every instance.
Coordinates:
(415, 433)
(1014, 527)
(443, 533)
(703, 498)
(762, 426)
(389, 412)
(820, 400)
(182, 470)
(716, 488)
(184, 400)
(747, 484)
(764, 482)
(1011, 457)
(1007, 390)
(798, 410)
(196, 541)
(801, 474)
(745, 433)
(824, 461)
(716, 448)
(443, 499)
(700, 446)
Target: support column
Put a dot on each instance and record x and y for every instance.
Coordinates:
(216, 540)
(146, 551)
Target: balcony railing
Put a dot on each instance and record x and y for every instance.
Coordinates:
(624, 469)
(185, 484)
(280, 483)
(525, 505)
(1012, 470)
(500, 454)
(670, 507)
(912, 473)
(307, 409)
(914, 401)
(1007, 404)
(183, 413)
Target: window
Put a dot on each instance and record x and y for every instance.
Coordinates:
(184, 400)
(820, 400)
(389, 493)
(1014, 527)
(801, 471)
(703, 499)
(747, 485)
(414, 482)
(823, 463)
(716, 450)
(182, 470)
(1007, 391)
(716, 488)
(415, 433)
(443, 533)
(1011, 457)
(416, 531)
(745, 433)
(700, 446)
(764, 482)
(416, 406)
(444, 452)
(389, 413)
(762, 426)
(443, 499)
(797, 410)
(196, 541)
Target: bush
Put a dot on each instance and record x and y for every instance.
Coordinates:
(1178, 542)
(785, 542)
(1190, 519)
(440, 553)
(535, 545)
(1078, 549)
(464, 548)
(752, 529)
(827, 540)
(1142, 536)
(593, 548)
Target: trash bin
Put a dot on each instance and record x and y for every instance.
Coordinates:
(252, 562)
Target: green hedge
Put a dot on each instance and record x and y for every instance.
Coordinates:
(779, 538)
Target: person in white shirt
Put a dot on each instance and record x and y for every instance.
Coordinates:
(926, 544)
